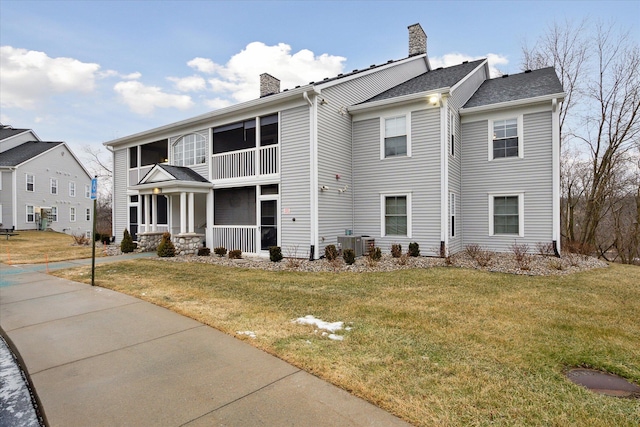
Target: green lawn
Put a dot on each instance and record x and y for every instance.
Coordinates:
(441, 346)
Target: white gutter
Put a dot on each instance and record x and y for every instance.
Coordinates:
(398, 100)
(510, 104)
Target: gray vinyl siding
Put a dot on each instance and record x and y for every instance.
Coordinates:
(6, 195)
(120, 209)
(418, 175)
(295, 181)
(462, 93)
(531, 175)
(455, 183)
(65, 169)
(335, 209)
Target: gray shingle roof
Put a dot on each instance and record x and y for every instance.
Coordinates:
(529, 84)
(434, 79)
(24, 152)
(182, 173)
(8, 132)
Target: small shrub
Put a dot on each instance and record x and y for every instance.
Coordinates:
(349, 256)
(220, 251)
(330, 252)
(574, 259)
(521, 256)
(396, 250)
(106, 239)
(414, 249)
(166, 247)
(275, 254)
(204, 252)
(235, 254)
(545, 248)
(403, 259)
(472, 250)
(579, 248)
(479, 255)
(375, 253)
(127, 244)
(448, 259)
(293, 262)
(555, 264)
(80, 239)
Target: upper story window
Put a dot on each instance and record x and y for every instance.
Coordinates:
(190, 150)
(150, 154)
(87, 191)
(452, 132)
(54, 186)
(72, 189)
(505, 138)
(31, 182)
(244, 135)
(395, 136)
(133, 157)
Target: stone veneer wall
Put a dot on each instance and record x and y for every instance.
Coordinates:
(186, 244)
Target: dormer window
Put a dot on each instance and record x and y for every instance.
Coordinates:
(190, 150)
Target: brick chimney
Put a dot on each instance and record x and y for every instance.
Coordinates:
(417, 40)
(268, 85)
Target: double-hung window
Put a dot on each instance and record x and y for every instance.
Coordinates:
(396, 215)
(31, 182)
(72, 214)
(88, 214)
(30, 213)
(72, 189)
(505, 138)
(87, 191)
(54, 186)
(395, 136)
(53, 217)
(506, 214)
(452, 213)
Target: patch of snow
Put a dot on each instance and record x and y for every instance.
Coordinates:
(336, 337)
(320, 324)
(250, 334)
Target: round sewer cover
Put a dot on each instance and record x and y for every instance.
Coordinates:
(603, 383)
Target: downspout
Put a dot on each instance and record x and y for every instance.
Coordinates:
(14, 198)
(555, 160)
(113, 192)
(313, 173)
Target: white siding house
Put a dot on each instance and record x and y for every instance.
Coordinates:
(42, 185)
(398, 152)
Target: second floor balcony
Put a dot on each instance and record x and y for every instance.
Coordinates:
(249, 163)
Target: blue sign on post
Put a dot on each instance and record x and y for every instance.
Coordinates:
(94, 188)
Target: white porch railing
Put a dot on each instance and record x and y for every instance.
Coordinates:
(250, 162)
(232, 237)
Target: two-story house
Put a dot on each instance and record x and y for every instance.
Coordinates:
(399, 152)
(43, 185)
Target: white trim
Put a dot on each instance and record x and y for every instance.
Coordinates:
(313, 170)
(444, 174)
(55, 217)
(73, 213)
(505, 116)
(383, 212)
(51, 186)
(555, 177)
(512, 104)
(420, 97)
(470, 74)
(26, 214)
(520, 196)
(72, 189)
(407, 124)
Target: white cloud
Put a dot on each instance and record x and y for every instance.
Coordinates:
(189, 84)
(450, 59)
(217, 103)
(29, 77)
(143, 99)
(239, 78)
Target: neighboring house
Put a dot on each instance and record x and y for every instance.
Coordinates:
(42, 185)
(399, 152)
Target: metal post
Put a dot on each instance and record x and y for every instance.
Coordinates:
(93, 235)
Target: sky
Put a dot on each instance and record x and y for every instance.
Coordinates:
(86, 72)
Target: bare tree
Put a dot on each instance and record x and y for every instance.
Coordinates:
(600, 119)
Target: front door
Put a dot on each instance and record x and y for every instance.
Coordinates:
(268, 224)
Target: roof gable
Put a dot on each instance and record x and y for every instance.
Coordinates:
(164, 173)
(514, 87)
(431, 80)
(24, 152)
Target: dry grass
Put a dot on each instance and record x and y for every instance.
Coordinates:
(36, 247)
(440, 346)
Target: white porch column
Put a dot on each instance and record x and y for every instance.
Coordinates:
(209, 229)
(192, 220)
(183, 212)
(154, 212)
(147, 213)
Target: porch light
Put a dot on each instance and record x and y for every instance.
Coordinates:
(157, 190)
(434, 99)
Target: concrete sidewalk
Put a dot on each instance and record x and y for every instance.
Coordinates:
(97, 357)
